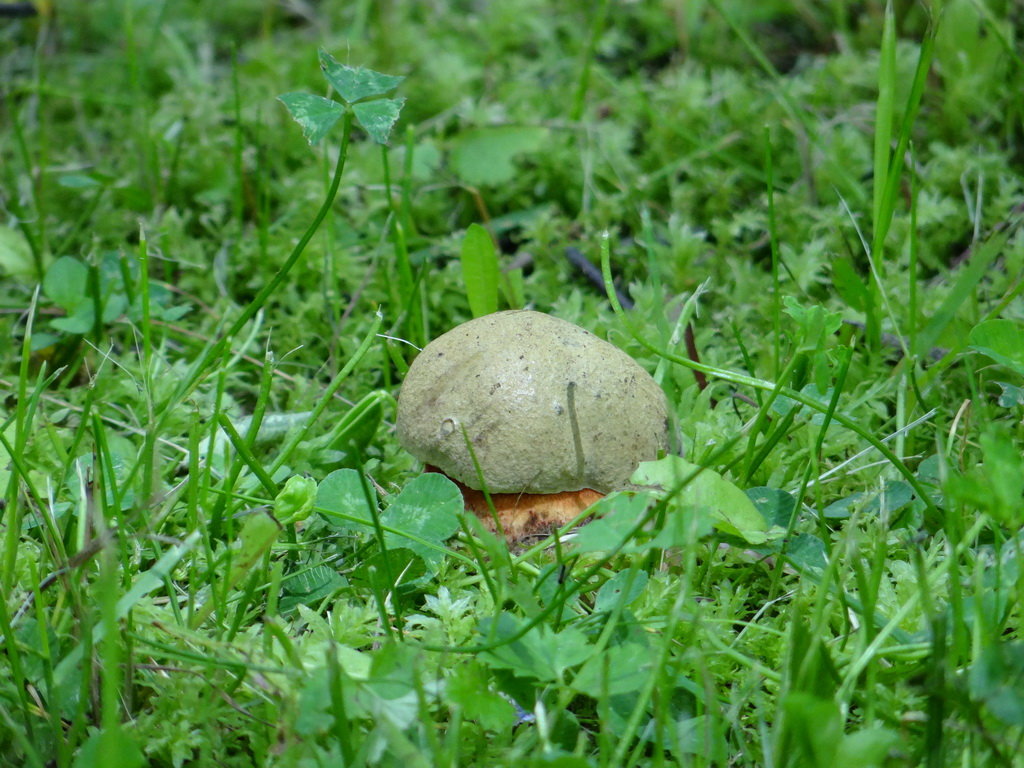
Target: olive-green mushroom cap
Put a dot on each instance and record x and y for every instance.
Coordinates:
(546, 405)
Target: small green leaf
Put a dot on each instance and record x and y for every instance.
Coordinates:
(867, 747)
(1010, 396)
(15, 253)
(814, 324)
(960, 295)
(378, 117)
(485, 156)
(356, 83)
(848, 284)
(43, 340)
(624, 587)
(315, 114)
(66, 283)
(812, 728)
(114, 306)
(892, 497)
(730, 507)
(480, 270)
(1002, 340)
(806, 552)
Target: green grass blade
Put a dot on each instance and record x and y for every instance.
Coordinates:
(480, 270)
(960, 294)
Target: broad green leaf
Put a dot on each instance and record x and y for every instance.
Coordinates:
(1003, 474)
(43, 340)
(541, 653)
(67, 283)
(732, 510)
(79, 181)
(812, 728)
(701, 735)
(468, 688)
(378, 117)
(398, 568)
(427, 509)
(312, 704)
(341, 500)
(620, 669)
(615, 525)
(892, 497)
(866, 748)
(615, 516)
(806, 552)
(485, 156)
(513, 288)
(315, 114)
(312, 581)
(114, 745)
(996, 681)
(624, 587)
(995, 485)
(79, 320)
(1002, 340)
(777, 506)
(356, 83)
(114, 306)
(480, 270)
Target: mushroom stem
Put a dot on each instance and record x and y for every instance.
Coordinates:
(525, 514)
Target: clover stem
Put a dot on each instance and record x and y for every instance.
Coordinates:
(254, 306)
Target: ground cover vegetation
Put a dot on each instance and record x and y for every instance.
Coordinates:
(802, 218)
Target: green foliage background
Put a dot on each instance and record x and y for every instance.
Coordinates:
(214, 550)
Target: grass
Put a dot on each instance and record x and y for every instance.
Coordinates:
(213, 550)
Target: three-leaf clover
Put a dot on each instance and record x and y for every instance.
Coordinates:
(362, 93)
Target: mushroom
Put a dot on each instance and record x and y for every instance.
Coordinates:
(556, 417)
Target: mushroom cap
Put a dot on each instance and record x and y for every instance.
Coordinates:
(547, 406)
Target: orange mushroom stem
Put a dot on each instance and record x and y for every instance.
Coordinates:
(525, 514)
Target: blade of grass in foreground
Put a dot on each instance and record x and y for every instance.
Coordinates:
(888, 160)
